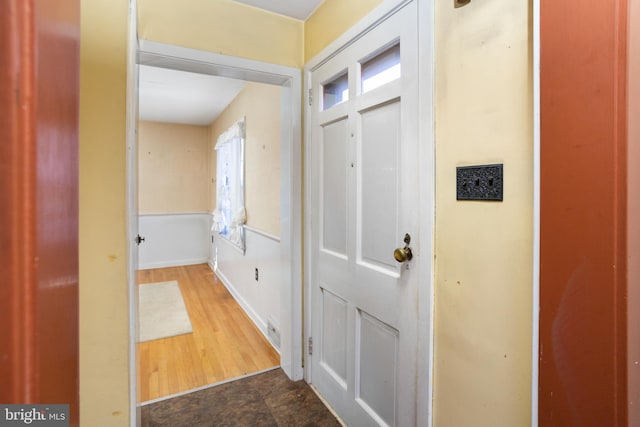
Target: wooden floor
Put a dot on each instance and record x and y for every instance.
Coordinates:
(224, 344)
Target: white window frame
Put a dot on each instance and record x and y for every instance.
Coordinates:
(230, 215)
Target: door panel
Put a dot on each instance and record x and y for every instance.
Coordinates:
(376, 368)
(378, 196)
(364, 199)
(334, 188)
(334, 334)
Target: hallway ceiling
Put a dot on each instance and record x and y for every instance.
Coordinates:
(181, 97)
(298, 9)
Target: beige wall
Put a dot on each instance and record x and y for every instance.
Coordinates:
(173, 169)
(483, 285)
(331, 20)
(104, 330)
(260, 104)
(223, 26)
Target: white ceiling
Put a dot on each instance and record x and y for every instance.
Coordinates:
(298, 9)
(181, 97)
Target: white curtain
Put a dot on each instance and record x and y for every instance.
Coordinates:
(229, 215)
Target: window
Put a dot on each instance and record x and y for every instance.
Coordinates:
(381, 69)
(335, 92)
(229, 215)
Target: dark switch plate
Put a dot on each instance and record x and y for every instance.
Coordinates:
(483, 182)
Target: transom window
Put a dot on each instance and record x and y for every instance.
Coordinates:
(381, 69)
(376, 70)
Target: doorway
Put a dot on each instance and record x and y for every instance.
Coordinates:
(288, 79)
(369, 205)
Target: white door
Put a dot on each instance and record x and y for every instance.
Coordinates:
(365, 196)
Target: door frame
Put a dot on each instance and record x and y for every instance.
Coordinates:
(424, 389)
(186, 59)
(132, 208)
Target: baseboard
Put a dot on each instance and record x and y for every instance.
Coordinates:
(255, 318)
(173, 263)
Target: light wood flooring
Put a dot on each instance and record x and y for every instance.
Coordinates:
(224, 344)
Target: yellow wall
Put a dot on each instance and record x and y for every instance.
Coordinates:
(260, 104)
(104, 366)
(173, 169)
(219, 26)
(331, 20)
(483, 114)
(223, 26)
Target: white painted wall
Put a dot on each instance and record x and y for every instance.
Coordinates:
(173, 239)
(259, 299)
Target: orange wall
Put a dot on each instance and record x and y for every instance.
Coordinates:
(633, 215)
(583, 214)
(39, 87)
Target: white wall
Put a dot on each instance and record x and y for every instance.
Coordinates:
(260, 299)
(173, 239)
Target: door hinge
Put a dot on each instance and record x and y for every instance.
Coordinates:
(310, 346)
(310, 97)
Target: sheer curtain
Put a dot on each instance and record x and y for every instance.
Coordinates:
(229, 215)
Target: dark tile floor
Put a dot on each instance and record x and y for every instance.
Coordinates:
(267, 399)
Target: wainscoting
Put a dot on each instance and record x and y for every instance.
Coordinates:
(259, 298)
(173, 239)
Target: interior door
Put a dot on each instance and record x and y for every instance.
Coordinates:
(364, 206)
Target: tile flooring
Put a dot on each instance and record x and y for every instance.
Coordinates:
(263, 400)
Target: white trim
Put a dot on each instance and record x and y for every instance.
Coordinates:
(535, 309)
(174, 213)
(132, 208)
(198, 61)
(174, 263)
(232, 245)
(426, 132)
(186, 59)
(424, 389)
(260, 323)
(307, 222)
(262, 233)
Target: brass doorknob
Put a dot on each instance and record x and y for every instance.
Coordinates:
(404, 254)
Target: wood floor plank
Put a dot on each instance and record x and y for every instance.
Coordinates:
(224, 344)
